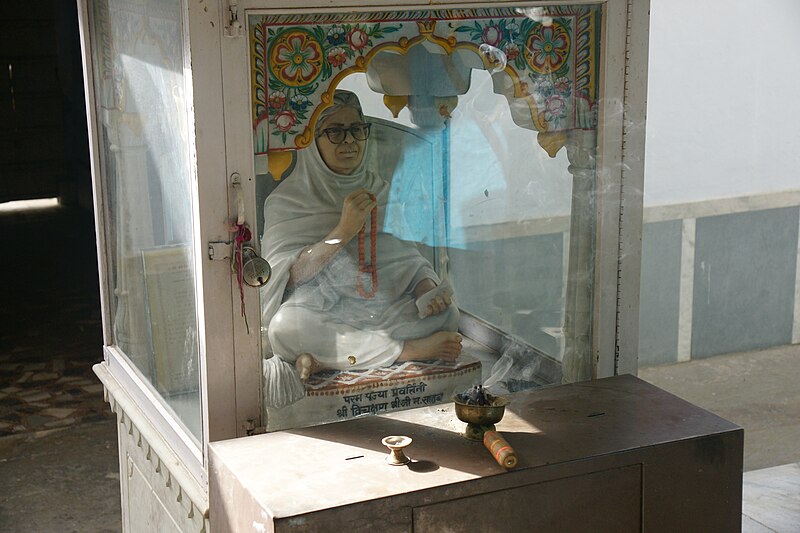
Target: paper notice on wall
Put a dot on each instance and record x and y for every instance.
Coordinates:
(169, 284)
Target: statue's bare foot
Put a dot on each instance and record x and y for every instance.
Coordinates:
(306, 365)
(445, 345)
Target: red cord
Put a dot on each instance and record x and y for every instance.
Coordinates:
(372, 268)
(243, 235)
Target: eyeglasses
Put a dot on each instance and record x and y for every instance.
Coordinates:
(337, 135)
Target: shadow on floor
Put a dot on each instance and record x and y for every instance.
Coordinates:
(58, 449)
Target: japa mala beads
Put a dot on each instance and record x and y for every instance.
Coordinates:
(372, 268)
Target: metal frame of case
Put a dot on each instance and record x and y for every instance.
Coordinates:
(215, 58)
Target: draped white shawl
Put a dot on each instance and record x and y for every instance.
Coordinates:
(301, 211)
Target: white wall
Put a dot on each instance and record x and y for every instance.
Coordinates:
(723, 110)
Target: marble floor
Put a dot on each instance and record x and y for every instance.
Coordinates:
(47, 395)
(50, 326)
(46, 379)
(771, 500)
(58, 449)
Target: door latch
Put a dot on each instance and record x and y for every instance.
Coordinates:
(234, 27)
(219, 250)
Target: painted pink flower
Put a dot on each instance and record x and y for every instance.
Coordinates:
(337, 56)
(512, 51)
(357, 38)
(492, 35)
(554, 107)
(277, 99)
(562, 85)
(284, 120)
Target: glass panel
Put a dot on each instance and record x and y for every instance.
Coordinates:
(138, 64)
(449, 242)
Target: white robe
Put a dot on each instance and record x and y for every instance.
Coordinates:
(326, 316)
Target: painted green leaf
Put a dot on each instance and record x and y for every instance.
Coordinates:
(526, 26)
(307, 90)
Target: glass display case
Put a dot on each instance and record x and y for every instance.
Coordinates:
(459, 119)
(310, 214)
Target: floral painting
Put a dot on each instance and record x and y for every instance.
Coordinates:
(299, 59)
(545, 52)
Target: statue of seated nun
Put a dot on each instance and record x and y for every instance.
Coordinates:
(345, 290)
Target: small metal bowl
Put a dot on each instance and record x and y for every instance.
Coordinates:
(481, 415)
(396, 443)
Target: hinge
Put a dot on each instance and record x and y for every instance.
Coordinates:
(251, 428)
(234, 27)
(219, 250)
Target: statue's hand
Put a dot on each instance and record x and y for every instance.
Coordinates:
(432, 299)
(357, 207)
(438, 304)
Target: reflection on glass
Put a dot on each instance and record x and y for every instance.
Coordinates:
(138, 65)
(475, 187)
(333, 235)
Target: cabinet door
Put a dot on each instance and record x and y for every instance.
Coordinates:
(609, 500)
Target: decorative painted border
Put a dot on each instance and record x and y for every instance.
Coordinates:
(549, 58)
